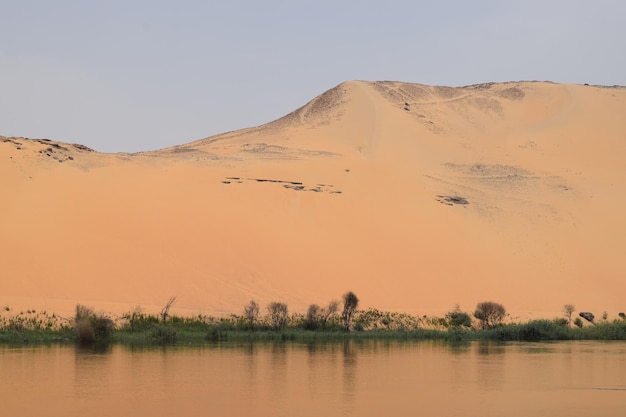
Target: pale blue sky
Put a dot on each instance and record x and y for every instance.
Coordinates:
(142, 75)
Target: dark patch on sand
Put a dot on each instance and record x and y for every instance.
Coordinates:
(451, 200)
(289, 185)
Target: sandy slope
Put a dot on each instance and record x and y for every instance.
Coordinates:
(414, 197)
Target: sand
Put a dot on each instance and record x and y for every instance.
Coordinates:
(415, 197)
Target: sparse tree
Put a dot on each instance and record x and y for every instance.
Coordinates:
(329, 311)
(317, 317)
(251, 312)
(350, 303)
(277, 314)
(165, 312)
(489, 314)
(568, 310)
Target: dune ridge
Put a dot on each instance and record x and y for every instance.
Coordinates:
(414, 197)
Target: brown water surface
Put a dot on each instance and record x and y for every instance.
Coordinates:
(373, 378)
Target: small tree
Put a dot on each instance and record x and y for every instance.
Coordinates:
(489, 314)
(568, 310)
(350, 303)
(251, 313)
(277, 314)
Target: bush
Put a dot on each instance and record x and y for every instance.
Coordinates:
(312, 320)
(533, 331)
(84, 332)
(216, 335)
(137, 321)
(102, 327)
(219, 332)
(458, 318)
(489, 314)
(561, 322)
(162, 333)
(91, 328)
(606, 331)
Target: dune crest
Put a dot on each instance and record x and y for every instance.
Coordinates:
(414, 197)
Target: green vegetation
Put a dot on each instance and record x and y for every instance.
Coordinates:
(457, 318)
(34, 327)
(91, 327)
(318, 324)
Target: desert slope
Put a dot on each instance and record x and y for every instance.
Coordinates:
(414, 197)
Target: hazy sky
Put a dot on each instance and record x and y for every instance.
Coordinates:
(142, 75)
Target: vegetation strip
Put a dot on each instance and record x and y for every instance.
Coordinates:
(318, 324)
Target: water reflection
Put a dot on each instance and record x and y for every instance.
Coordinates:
(486, 347)
(92, 368)
(350, 378)
(349, 370)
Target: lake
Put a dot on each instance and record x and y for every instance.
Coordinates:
(369, 378)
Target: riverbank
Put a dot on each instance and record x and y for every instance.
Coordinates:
(137, 328)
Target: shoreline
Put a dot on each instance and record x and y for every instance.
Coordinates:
(135, 328)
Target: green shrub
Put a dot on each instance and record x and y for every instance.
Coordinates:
(163, 334)
(91, 328)
(103, 327)
(137, 321)
(606, 331)
(533, 331)
(312, 320)
(216, 335)
(457, 318)
(85, 332)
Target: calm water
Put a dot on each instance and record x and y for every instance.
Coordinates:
(371, 378)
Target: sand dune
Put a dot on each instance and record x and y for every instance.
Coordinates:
(414, 197)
